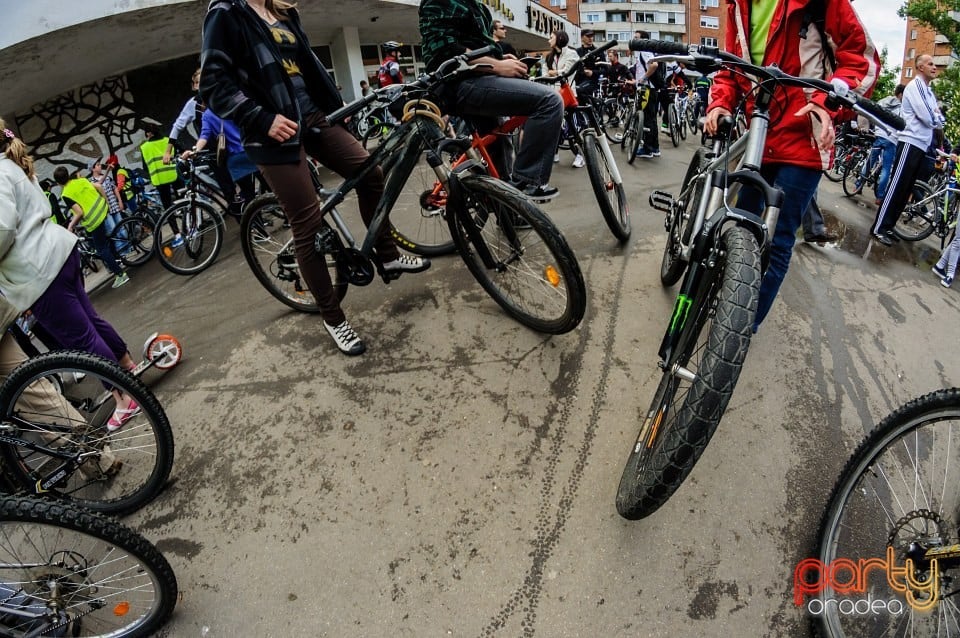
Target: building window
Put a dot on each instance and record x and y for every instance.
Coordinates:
(709, 4)
(645, 17)
(912, 53)
(593, 17)
(616, 17)
(909, 72)
(913, 34)
(671, 37)
(708, 22)
(708, 42)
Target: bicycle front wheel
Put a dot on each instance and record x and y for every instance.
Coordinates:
(615, 128)
(610, 194)
(266, 240)
(919, 216)
(70, 572)
(534, 276)
(137, 234)
(899, 492)
(201, 237)
(673, 125)
(685, 413)
(679, 221)
(852, 176)
(59, 403)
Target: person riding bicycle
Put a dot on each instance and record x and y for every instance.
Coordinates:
(702, 86)
(452, 27)
(389, 72)
(257, 69)
(801, 127)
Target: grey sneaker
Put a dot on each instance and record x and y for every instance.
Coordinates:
(120, 279)
(346, 339)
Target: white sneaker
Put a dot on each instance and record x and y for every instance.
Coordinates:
(346, 339)
(578, 161)
(556, 158)
(407, 263)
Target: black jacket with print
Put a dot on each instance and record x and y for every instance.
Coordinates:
(242, 78)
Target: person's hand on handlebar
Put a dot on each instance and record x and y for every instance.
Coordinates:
(508, 67)
(712, 122)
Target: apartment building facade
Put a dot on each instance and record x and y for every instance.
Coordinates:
(921, 39)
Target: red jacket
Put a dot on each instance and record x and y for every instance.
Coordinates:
(791, 139)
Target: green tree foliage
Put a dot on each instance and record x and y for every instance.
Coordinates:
(947, 88)
(888, 79)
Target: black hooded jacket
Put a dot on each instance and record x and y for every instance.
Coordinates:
(242, 78)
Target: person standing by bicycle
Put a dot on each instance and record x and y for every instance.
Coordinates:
(801, 128)
(649, 75)
(40, 269)
(884, 147)
(558, 61)
(279, 93)
(451, 27)
(922, 115)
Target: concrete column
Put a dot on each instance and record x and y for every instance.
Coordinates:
(347, 61)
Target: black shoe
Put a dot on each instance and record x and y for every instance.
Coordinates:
(822, 238)
(883, 239)
(893, 236)
(541, 193)
(346, 339)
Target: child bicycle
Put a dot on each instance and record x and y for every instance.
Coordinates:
(722, 250)
(513, 250)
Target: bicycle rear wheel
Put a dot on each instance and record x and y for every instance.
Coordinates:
(919, 217)
(536, 278)
(852, 176)
(610, 194)
(684, 414)
(682, 124)
(900, 489)
(58, 400)
(201, 229)
(418, 216)
(616, 126)
(70, 572)
(267, 244)
(138, 235)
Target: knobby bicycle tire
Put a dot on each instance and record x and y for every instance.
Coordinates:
(679, 222)
(138, 234)
(417, 204)
(109, 579)
(834, 173)
(899, 489)
(46, 401)
(714, 344)
(202, 230)
(610, 195)
(851, 176)
(682, 124)
(537, 280)
(266, 241)
(918, 221)
(673, 125)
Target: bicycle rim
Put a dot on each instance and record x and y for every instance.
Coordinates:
(899, 490)
(58, 400)
(266, 240)
(201, 230)
(685, 413)
(917, 221)
(138, 236)
(76, 573)
(673, 126)
(418, 216)
(610, 195)
(537, 279)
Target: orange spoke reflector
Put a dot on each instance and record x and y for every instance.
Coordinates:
(552, 275)
(167, 251)
(121, 609)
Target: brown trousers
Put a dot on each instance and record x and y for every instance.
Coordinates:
(338, 150)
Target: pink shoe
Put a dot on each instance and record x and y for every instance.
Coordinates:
(122, 415)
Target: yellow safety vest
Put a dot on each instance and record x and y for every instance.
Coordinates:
(127, 189)
(53, 217)
(160, 173)
(94, 204)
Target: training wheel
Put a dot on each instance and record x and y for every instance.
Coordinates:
(164, 350)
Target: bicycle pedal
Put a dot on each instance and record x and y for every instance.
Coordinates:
(662, 201)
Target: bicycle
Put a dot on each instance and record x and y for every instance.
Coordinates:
(512, 248)
(89, 257)
(681, 104)
(863, 171)
(632, 137)
(54, 439)
(931, 211)
(897, 499)
(65, 571)
(721, 252)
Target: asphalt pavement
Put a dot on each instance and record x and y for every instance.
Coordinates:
(459, 478)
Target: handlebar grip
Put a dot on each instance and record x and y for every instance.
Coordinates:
(479, 53)
(353, 108)
(660, 47)
(608, 45)
(877, 111)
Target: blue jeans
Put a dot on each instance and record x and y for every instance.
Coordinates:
(487, 96)
(885, 150)
(799, 185)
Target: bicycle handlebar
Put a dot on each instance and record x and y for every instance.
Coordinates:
(709, 59)
(576, 66)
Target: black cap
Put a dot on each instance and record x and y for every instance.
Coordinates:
(587, 32)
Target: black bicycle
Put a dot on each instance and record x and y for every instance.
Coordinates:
(54, 439)
(66, 571)
(511, 247)
(722, 250)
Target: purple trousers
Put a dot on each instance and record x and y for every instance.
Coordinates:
(65, 311)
